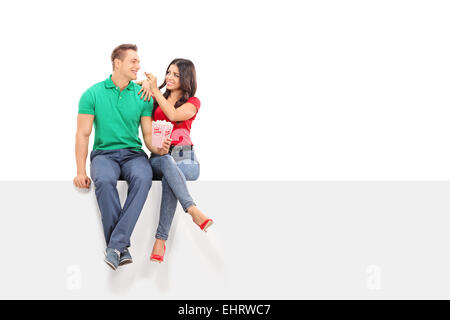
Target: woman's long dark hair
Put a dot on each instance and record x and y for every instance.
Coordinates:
(188, 82)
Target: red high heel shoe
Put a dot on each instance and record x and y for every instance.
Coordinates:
(206, 224)
(157, 257)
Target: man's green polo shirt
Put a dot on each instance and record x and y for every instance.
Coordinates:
(117, 114)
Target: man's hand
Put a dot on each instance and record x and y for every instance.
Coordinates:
(82, 181)
(165, 148)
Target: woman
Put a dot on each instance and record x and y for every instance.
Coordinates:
(178, 105)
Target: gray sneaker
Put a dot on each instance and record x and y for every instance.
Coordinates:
(112, 257)
(125, 257)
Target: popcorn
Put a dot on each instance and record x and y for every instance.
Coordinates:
(161, 130)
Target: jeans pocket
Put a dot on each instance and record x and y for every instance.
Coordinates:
(93, 154)
(190, 169)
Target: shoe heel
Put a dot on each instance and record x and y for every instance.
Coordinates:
(157, 257)
(206, 224)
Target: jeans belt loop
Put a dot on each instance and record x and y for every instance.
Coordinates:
(180, 149)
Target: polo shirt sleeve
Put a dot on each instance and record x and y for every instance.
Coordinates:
(147, 108)
(86, 104)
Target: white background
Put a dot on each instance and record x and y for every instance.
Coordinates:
(289, 89)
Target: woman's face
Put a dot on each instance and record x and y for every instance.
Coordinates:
(173, 78)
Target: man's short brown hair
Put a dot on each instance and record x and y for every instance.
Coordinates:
(119, 52)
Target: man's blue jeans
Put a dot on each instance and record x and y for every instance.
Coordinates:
(107, 167)
(173, 170)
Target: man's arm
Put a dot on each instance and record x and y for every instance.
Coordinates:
(84, 128)
(146, 127)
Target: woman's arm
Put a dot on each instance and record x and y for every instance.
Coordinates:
(182, 113)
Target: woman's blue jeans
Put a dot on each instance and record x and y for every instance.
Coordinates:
(174, 170)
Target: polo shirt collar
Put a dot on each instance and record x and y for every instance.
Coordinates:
(109, 84)
(130, 85)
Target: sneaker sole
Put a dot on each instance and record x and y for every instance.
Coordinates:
(125, 261)
(110, 264)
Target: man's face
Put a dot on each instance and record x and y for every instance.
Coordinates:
(130, 65)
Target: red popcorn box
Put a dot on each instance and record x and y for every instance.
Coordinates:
(160, 131)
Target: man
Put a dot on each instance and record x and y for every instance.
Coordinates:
(115, 109)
